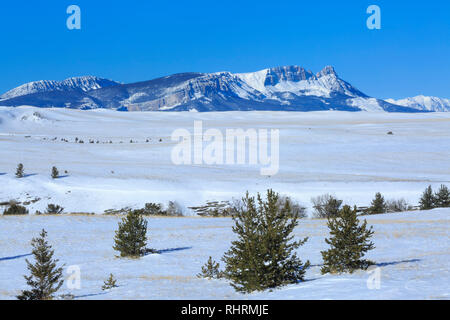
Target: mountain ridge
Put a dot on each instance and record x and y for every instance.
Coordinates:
(426, 103)
(285, 88)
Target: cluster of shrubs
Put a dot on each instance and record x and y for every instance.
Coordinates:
(94, 141)
(230, 208)
(326, 206)
(173, 209)
(15, 209)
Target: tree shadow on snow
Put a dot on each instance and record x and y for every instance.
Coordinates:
(29, 175)
(173, 250)
(2, 173)
(62, 177)
(90, 295)
(15, 257)
(393, 263)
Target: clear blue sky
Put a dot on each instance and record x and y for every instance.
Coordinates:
(135, 40)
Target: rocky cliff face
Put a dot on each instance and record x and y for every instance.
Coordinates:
(290, 88)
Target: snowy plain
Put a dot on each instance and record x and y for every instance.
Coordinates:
(412, 252)
(346, 154)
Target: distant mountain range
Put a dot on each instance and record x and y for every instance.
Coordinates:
(424, 103)
(290, 88)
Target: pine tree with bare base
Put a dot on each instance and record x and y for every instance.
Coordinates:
(46, 278)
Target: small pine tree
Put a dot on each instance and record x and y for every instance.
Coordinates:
(46, 277)
(378, 205)
(110, 283)
(20, 171)
(55, 173)
(349, 242)
(427, 201)
(264, 255)
(210, 270)
(131, 237)
(442, 197)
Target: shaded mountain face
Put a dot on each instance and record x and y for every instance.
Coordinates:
(290, 88)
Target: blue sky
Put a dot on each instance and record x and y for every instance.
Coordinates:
(135, 40)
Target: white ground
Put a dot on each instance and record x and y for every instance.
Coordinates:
(346, 154)
(412, 251)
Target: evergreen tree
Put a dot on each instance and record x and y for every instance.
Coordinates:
(378, 204)
(210, 270)
(348, 243)
(55, 173)
(131, 237)
(20, 171)
(263, 255)
(110, 283)
(442, 197)
(46, 277)
(427, 201)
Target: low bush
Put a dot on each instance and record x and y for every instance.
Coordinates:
(397, 205)
(54, 209)
(326, 206)
(15, 210)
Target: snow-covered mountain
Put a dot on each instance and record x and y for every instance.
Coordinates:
(289, 88)
(78, 83)
(424, 103)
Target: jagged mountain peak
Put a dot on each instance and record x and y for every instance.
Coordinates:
(292, 88)
(328, 70)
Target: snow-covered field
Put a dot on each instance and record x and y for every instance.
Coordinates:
(346, 154)
(412, 252)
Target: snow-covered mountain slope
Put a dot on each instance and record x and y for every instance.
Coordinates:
(298, 81)
(78, 83)
(290, 88)
(424, 103)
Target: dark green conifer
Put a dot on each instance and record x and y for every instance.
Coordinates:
(110, 283)
(442, 197)
(131, 237)
(378, 204)
(348, 242)
(46, 277)
(264, 255)
(20, 171)
(427, 201)
(55, 173)
(210, 270)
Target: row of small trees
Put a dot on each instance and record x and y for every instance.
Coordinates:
(263, 256)
(20, 172)
(431, 200)
(16, 209)
(327, 205)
